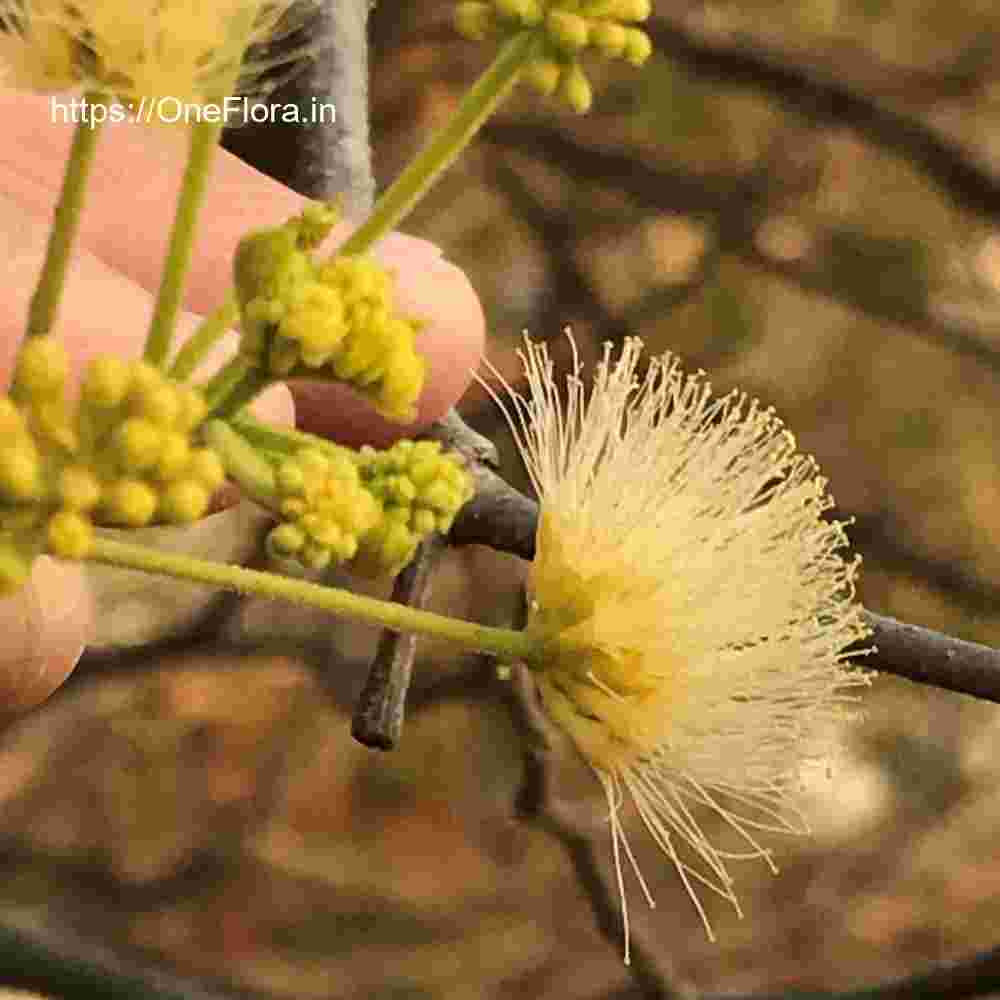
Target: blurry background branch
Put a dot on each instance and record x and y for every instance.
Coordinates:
(871, 275)
(846, 92)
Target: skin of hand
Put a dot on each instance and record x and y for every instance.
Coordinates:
(108, 302)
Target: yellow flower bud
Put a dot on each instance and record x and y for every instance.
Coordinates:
(569, 31)
(175, 456)
(106, 382)
(69, 535)
(575, 89)
(315, 557)
(285, 540)
(206, 467)
(632, 10)
(423, 521)
(20, 471)
(475, 21)
(543, 76)
(138, 444)
(144, 378)
(42, 367)
(184, 501)
(79, 488)
(315, 223)
(638, 47)
(191, 409)
(130, 502)
(608, 38)
(528, 12)
(160, 405)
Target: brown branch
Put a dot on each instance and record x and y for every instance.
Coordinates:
(378, 715)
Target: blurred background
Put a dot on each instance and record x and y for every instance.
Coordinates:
(801, 197)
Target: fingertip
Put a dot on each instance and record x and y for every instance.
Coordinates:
(46, 626)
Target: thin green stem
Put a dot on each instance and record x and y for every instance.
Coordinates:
(65, 224)
(204, 139)
(476, 107)
(242, 462)
(209, 332)
(499, 641)
(243, 382)
(282, 440)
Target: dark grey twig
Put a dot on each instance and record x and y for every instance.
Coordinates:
(321, 154)
(378, 715)
(928, 657)
(63, 966)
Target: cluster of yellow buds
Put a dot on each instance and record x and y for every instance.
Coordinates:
(325, 508)
(370, 509)
(571, 27)
(421, 490)
(304, 319)
(123, 457)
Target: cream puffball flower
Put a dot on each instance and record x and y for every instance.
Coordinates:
(692, 604)
(187, 51)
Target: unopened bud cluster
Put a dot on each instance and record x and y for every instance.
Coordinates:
(570, 27)
(370, 509)
(122, 456)
(301, 318)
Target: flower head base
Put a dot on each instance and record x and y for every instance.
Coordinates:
(123, 456)
(570, 28)
(185, 50)
(692, 603)
(335, 320)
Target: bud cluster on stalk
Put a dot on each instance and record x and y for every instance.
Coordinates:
(571, 27)
(369, 509)
(302, 318)
(122, 456)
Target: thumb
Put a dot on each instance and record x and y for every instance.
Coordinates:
(45, 626)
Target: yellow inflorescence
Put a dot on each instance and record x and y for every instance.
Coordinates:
(122, 456)
(303, 319)
(369, 509)
(571, 27)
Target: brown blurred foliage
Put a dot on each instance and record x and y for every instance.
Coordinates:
(215, 813)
